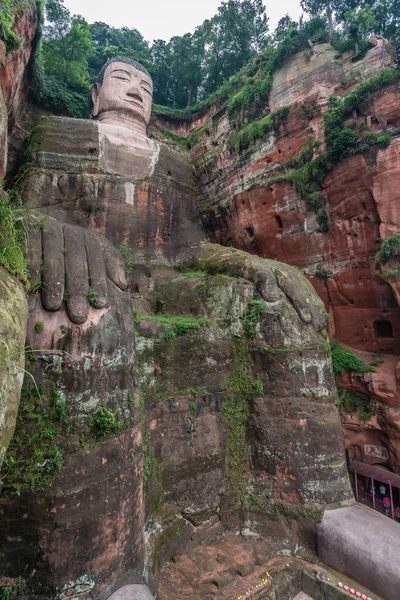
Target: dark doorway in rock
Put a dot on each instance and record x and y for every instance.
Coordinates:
(279, 221)
(250, 231)
(383, 329)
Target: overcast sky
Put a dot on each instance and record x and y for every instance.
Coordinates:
(162, 19)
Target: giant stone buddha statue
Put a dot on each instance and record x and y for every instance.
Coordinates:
(106, 187)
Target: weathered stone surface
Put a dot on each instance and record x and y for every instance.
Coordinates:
(356, 541)
(241, 208)
(13, 316)
(317, 71)
(183, 383)
(153, 210)
(237, 419)
(132, 592)
(13, 92)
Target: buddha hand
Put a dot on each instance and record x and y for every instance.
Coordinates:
(72, 264)
(274, 281)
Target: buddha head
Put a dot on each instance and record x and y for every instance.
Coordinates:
(123, 93)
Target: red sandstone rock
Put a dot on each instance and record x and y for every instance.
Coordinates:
(13, 92)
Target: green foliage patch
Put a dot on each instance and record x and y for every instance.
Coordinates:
(175, 325)
(5, 592)
(182, 140)
(127, 257)
(104, 422)
(344, 359)
(39, 326)
(9, 9)
(240, 140)
(34, 455)
(235, 414)
(351, 402)
(252, 316)
(389, 250)
(14, 225)
(258, 387)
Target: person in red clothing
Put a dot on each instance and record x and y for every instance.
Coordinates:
(386, 504)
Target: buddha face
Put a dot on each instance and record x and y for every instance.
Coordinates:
(126, 91)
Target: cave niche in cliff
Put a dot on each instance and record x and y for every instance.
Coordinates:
(383, 329)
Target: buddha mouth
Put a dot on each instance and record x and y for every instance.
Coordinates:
(134, 103)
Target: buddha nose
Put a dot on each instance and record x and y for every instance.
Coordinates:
(134, 92)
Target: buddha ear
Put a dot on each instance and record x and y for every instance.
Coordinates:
(95, 99)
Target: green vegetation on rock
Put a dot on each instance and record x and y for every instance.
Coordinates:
(341, 142)
(344, 359)
(175, 325)
(235, 414)
(34, 455)
(9, 11)
(242, 139)
(389, 250)
(127, 257)
(104, 422)
(13, 231)
(351, 402)
(252, 317)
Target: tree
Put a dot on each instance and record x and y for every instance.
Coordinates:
(66, 57)
(359, 22)
(285, 25)
(111, 41)
(325, 8)
(233, 37)
(387, 17)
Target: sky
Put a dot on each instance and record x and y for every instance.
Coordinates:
(162, 19)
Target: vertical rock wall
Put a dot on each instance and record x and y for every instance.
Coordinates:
(13, 315)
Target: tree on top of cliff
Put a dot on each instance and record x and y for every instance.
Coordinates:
(111, 41)
(381, 16)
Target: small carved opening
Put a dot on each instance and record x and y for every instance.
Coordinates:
(279, 221)
(364, 205)
(169, 173)
(250, 231)
(92, 150)
(383, 329)
(208, 133)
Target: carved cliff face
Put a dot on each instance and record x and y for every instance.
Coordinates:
(125, 95)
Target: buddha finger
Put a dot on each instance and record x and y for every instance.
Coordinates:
(34, 259)
(294, 290)
(302, 295)
(97, 270)
(115, 266)
(53, 265)
(76, 274)
(267, 286)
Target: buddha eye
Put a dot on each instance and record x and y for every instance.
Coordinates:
(146, 90)
(121, 78)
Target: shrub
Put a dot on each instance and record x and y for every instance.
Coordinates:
(389, 250)
(351, 403)
(33, 457)
(39, 326)
(258, 387)
(13, 231)
(8, 12)
(252, 317)
(242, 139)
(344, 359)
(127, 257)
(104, 421)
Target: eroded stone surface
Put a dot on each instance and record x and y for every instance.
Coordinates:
(13, 316)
